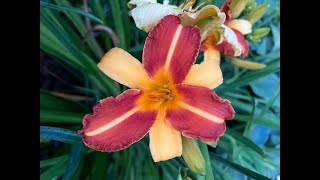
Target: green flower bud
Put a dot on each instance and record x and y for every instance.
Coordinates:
(236, 7)
(193, 156)
(256, 35)
(261, 32)
(257, 13)
(246, 64)
(254, 39)
(250, 4)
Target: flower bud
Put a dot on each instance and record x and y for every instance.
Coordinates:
(246, 64)
(236, 7)
(254, 39)
(257, 13)
(193, 156)
(256, 36)
(250, 4)
(261, 32)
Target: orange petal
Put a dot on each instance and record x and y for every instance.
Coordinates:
(207, 74)
(165, 141)
(212, 54)
(241, 25)
(124, 68)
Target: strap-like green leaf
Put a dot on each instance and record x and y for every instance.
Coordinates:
(63, 117)
(53, 161)
(116, 12)
(49, 101)
(204, 149)
(100, 166)
(55, 171)
(74, 160)
(70, 9)
(249, 123)
(105, 83)
(246, 141)
(272, 67)
(60, 134)
(241, 169)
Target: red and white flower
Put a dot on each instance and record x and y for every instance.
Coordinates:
(239, 27)
(170, 96)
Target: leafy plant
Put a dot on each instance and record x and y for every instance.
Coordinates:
(75, 39)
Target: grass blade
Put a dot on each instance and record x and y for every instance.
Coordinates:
(264, 110)
(242, 117)
(265, 122)
(106, 84)
(125, 20)
(63, 117)
(221, 172)
(97, 9)
(70, 9)
(52, 161)
(60, 134)
(246, 141)
(241, 169)
(51, 45)
(204, 149)
(249, 123)
(80, 25)
(49, 101)
(182, 173)
(74, 160)
(251, 76)
(55, 171)
(100, 166)
(115, 6)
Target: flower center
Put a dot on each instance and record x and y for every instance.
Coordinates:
(161, 93)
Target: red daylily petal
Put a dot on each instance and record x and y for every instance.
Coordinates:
(203, 47)
(227, 49)
(117, 123)
(201, 114)
(226, 9)
(171, 46)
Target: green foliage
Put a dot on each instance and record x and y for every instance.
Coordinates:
(60, 134)
(70, 9)
(66, 37)
(241, 169)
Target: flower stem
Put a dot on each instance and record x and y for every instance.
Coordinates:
(205, 153)
(107, 29)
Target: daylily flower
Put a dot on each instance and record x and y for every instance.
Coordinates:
(170, 96)
(239, 27)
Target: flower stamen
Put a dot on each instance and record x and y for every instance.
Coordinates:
(161, 93)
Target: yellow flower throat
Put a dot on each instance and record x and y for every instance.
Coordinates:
(161, 93)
